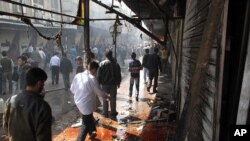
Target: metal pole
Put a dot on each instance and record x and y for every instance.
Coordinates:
(115, 28)
(1, 77)
(86, 31)
(36, 8)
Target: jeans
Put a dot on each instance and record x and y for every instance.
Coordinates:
(153, 74)
(14, 87)
(88, 126)
(137, 82)
(164, 63)
(55, 74)
(7, 76)
(112, 91)
(66, 80)
(145, 74)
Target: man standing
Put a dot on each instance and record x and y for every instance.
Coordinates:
(7, 67)
(66, 68)
(154, 64)
(30, 49)
(72, 55)
(145, 65)
(85, 88)
(79, 64)
(35, 58)
(55, 66)
(109, 76)
(29, 111)
(43, 58)
(164, 59)
(24, 66)
(134, 69)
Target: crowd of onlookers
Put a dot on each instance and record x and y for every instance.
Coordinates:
(99, 78)
(13, 71)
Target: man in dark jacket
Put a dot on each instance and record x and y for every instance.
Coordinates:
(24, 67)
(145, 65)
(109, 76)
(7, 67)
(66, 68)
(134, 69)
(27, 116)
(154, 65)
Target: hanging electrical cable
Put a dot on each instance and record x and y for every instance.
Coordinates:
(57, 37)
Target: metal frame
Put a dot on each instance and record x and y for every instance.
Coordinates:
(36, 18)
(132, 21)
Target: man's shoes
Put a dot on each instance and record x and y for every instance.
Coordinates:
(93, 135)
(155, 91)
(114, 114)
(148, 89)
(137, 99)
(105, 115)
(130, 94)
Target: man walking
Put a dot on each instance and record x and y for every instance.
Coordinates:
(85, 88)
(164, 59)
(7, 67)
(109, 76)
(24, 67)
(154, 64)
(145, 65)
(55, 66)
(134, 69)
(27, 116)
(66, 68)
(35, 57)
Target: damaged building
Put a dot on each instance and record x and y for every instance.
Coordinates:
(202, 93)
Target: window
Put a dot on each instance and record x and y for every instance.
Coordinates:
(54, 5)
(17, 8)
(39, 13)
(40, 2)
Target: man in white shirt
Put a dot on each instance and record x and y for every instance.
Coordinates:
(43, 57)
(55, 67)
(30, 49)
(85, 88)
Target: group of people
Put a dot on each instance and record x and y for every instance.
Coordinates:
(97, 80)
(151, 64)
(13, 74)
(37, 57)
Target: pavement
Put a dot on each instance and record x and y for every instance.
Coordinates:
(151, 118)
